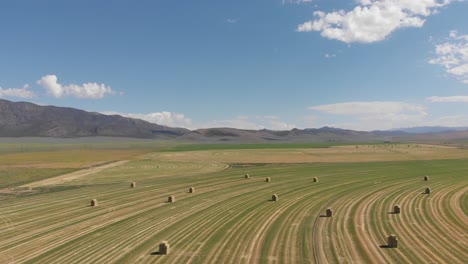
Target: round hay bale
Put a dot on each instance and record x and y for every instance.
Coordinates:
(133, 184)
(315, 179)
(428, 190)
(274, 198)
(164, 248)
(267, 179)
(396, 209)
(247, 176)
(426, 178)
(392, 241)
(171, 199)
(329, 212)
(94, 202)
(191, 190)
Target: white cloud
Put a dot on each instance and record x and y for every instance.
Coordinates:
(448, 99)
(453, 55)
(372, 20)
(231, 20)
(448, 121)
(180, 120)
(161, 118)
(250, 122)
(17, 92)
(368, 108)
(374, 115)
(296, 1)
(86, 90)
(329, 56)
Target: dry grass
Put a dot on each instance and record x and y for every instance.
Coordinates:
(229, 220)
(74, 158)
(364, 153)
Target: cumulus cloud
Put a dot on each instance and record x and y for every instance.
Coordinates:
(231, 20)
(161, 118)
(372, 20)
(17, 92)
(453, 56)
(250, 122)
(448, 99)
(87, 90)
(374, 115)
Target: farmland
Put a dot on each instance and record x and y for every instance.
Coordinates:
(231, 219)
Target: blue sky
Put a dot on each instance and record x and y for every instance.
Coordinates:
(277, 64)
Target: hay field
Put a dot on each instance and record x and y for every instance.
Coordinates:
(231, 219)
(21, 164)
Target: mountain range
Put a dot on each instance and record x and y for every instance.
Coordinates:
(23, 119)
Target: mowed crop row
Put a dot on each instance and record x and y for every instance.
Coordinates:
(230, 219)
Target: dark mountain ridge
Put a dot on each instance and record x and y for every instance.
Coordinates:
(23, 119)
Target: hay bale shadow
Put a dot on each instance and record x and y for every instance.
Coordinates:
(322, 215)
(155, 253)
(391, 213)
(385, 246)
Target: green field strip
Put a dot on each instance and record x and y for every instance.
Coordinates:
(165, 196)
(12, 177)
(446, 225)
(418, 226)
(285, 215)
(218, 146)
(436, 236)
(229, 219)
(362, 223)
(402, 227)
(385, 224)
(260, 216)
(203, 214)
(429, 225)
(453, 211)
(457, 210)
(464, 203)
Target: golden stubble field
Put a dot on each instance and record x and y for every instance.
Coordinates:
(231, 219)
(357, 153)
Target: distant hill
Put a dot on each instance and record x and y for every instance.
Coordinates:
(324, 134)
(430, 129)
(22, 119)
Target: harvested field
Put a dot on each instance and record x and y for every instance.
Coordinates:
(231, 220)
